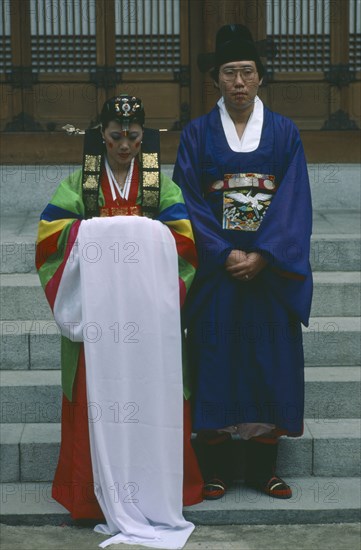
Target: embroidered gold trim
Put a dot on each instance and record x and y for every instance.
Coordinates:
(119, 211)
(92, 163)
(92, 202)
(150, 160)
(151, 179)
(91, 182)
(150, 198)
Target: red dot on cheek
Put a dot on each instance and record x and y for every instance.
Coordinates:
(110, 145)
(137, 144)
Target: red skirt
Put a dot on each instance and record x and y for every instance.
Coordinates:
(73, 485)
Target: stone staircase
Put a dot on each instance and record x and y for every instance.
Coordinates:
(323, 467)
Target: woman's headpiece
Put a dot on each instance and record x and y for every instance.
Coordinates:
(123, 108)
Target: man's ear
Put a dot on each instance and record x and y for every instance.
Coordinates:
(215, 84)
(261, 81)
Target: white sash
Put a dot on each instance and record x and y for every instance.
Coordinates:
(130, 322)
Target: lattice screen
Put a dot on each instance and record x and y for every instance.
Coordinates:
(147, 35)
(5, 49)
(63, 35)
(355, 35)
(301, 31)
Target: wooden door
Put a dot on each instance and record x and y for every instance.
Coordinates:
(315, 78)
(63, 58)
(54, 47)
(60, 59)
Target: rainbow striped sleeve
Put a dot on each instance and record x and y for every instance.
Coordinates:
(58, 228)
(57, 231)
(173, 213)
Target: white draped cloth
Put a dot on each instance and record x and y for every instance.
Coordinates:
(122, 279)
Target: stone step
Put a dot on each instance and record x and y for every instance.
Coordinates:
(335, 294)
(335, 243)
(30, 396)
(332, 392)
(22, 297)
(33, 185)
(335, 252)
(329, 447)
(29, 344)
(17, 242)
(315, 500)
(328, 341)
(34, 396)
(332, 341)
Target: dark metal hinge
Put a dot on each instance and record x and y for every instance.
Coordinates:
(340, 75)
(182, 75)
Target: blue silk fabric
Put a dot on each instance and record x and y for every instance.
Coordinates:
(244, 338)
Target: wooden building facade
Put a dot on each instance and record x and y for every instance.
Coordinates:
(60, 59)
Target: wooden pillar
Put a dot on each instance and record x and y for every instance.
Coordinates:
(15, 95)
(105, 53)
(184, 81)
(196, 45)
(28, 93)
(22, 92)
(339, 75)
(339, 50)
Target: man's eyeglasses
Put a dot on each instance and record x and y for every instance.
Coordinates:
(229, 75)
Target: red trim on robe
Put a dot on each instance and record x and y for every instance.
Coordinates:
(51, 289)
(182, 291)
(192, 480)
(185, 247)
(73, 485)
(272, 437)
(289, 274)
(46, 248)
(133, 192)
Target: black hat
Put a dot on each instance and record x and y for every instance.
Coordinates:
(234, 43)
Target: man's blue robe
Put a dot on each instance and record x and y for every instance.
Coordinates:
(245, 338)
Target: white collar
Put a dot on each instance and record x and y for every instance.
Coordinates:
(252, 132)
(114, 186)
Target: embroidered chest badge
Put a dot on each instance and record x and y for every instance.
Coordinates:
(246, 198)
